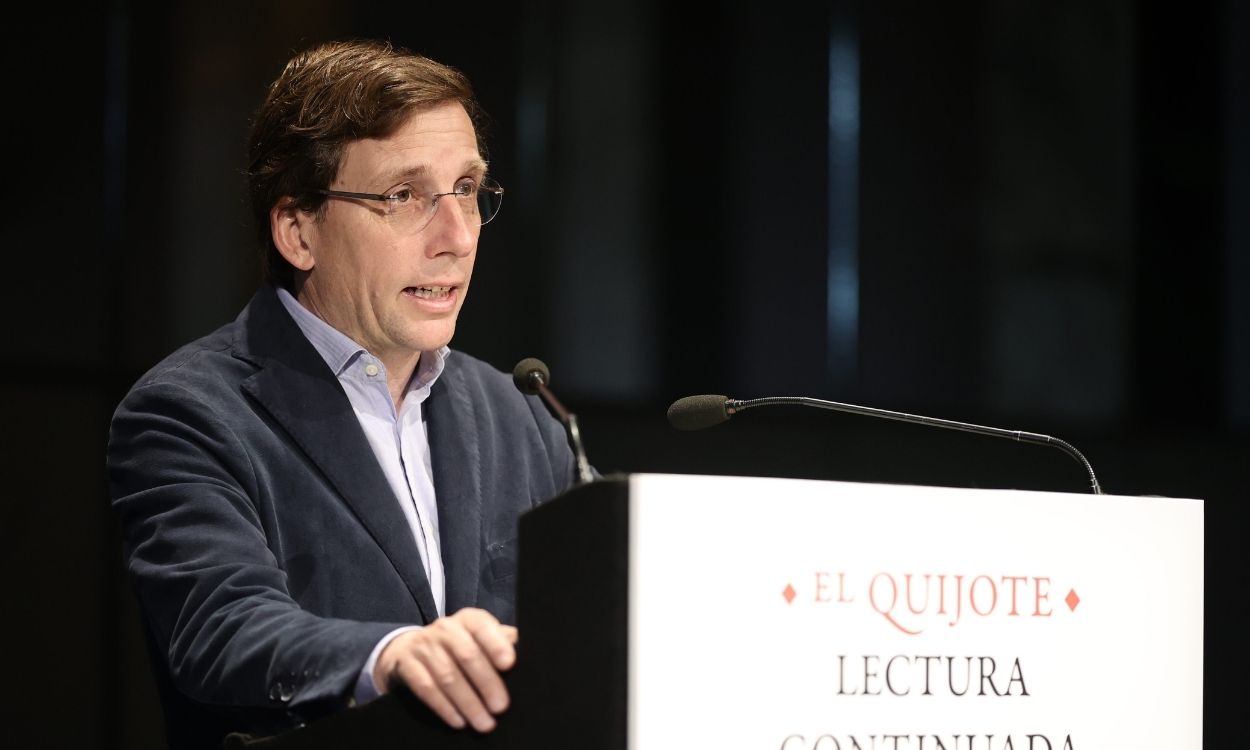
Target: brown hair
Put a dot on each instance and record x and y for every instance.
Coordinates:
(325, 98)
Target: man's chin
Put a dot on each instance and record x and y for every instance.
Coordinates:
(430, 340)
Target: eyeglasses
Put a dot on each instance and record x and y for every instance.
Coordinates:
(410, 210)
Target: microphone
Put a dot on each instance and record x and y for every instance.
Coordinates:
(531, 376)
(698, 412)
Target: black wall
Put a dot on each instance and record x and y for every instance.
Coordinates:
(1051, 229)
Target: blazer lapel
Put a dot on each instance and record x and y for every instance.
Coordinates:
(455, 457)
(298, 389)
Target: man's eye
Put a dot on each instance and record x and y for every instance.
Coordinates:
(465, 187)
(402, 195)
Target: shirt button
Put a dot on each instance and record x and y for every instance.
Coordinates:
(371, 370)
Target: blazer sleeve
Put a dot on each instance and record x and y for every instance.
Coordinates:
(213, 595)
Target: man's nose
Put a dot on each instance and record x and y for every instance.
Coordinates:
(454, 230)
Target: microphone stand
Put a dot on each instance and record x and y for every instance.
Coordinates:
(538, 383)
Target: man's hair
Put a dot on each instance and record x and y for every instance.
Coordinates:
(325, 98)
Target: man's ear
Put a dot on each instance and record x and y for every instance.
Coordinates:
(292, 230)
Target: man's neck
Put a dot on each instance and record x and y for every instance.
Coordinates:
(399, 372)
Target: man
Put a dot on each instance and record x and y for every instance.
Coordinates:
(319, 500)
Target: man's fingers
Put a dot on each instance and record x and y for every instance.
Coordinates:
(413, 673)
(478, 665)
(446, 688)
(453, 666)
(496, 641)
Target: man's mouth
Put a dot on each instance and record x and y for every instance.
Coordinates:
(429, 292)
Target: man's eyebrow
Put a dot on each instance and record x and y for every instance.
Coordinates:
(410, 173)
(403, 174)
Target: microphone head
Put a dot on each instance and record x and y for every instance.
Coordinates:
(524, 375)
(697, 412)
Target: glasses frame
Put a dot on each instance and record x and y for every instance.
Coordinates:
(486, 185)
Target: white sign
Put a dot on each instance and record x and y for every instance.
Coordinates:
(801, 615)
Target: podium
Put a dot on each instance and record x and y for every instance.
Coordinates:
(661, 611)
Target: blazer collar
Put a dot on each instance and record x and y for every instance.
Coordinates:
(294, 384)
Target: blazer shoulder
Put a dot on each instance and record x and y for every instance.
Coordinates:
(492, 391)
(478, 373)
(503, 411)
(206, 368)
(236, 350)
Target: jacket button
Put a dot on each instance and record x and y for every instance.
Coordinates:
(281, 692)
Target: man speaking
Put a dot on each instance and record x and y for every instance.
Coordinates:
(319, 501)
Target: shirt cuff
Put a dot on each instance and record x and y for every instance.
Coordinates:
(366, 690)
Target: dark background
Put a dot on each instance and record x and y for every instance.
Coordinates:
(1032, 215)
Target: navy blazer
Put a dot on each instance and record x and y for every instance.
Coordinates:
(267, 549)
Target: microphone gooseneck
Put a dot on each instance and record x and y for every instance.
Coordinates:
(698, 412)
(531, 377)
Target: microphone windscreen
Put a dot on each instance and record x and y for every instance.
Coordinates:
(697, 412)
(522, 374)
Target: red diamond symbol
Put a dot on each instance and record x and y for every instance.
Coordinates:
(1072, 599)
(789, 593)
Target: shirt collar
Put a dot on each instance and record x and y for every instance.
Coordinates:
(339, 351)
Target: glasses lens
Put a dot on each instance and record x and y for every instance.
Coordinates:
(412, 216)
(489, 197)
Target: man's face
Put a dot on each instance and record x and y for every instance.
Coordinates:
(397, 293)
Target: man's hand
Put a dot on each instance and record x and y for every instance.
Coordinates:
(453, 666)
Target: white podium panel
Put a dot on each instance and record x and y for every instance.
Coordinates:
(802, 615)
